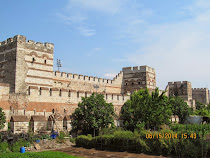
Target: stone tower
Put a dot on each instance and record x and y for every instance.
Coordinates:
(25, 63)
(183, 90)
(135, 78)
(201, 95)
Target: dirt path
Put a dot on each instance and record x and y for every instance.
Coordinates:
(92, 153)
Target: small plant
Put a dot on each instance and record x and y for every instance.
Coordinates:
(72, 140)
(18, 144)
(45, 136)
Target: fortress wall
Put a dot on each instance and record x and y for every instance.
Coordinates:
(8, 50)
(201, 95)
(138, 77)
(182, 89)
(75, 96)
(86, 83)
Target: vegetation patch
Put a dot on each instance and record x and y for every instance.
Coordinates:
(44, 154)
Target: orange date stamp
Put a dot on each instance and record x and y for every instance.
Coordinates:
(170, 135)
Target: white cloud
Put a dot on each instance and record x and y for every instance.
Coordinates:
(106, 6)
(94, 51)
(86, 31)
(178, 51)
(109, 75)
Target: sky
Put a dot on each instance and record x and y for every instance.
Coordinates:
(99, 38)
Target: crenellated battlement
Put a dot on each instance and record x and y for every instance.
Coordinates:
(199, 89)
(179, 82)
(134, 69)
(22, 39)
(70, 76)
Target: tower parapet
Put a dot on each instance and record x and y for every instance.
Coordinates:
(144, 68)
(138, 77)
(30, 44)
(201, 95)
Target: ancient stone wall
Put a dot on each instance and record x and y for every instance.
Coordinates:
(181, 89)
(201, 95)
(35, 89)
(8, 51)
(135, 78)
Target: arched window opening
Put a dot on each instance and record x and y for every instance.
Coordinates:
(69, 94)
(106, 96)
(126, 84)
(33, 60)
(45, 61)
(77, 94)
(132, 83)
(53, 111)
(139, 83)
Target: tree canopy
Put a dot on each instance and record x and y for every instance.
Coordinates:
(199, 105)
(147, 109)
(2, 118)
(179, 108)
(92, 114)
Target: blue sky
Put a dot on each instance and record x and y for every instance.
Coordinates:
(99, 37)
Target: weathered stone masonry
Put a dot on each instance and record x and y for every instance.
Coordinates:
(30, 87)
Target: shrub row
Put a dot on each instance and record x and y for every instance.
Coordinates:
(191, 127)
(137, 142)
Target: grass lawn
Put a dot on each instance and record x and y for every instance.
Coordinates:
(44, 154)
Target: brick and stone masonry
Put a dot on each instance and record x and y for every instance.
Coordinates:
(29, 86)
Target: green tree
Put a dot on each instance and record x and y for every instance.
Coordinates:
(202, 112)
(180, 108)
(146, 110)
(199, 105)
(2, 118)
(92, 114)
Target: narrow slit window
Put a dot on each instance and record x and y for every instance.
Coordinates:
(40, 91)
(50, 92)
(60, 93)
(29, 90)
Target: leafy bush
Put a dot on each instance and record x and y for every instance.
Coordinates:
(83, 141)
(18, 144)
(73, 140)
(138, 142)
(191, 127)
(106, 131)
(45, 136)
